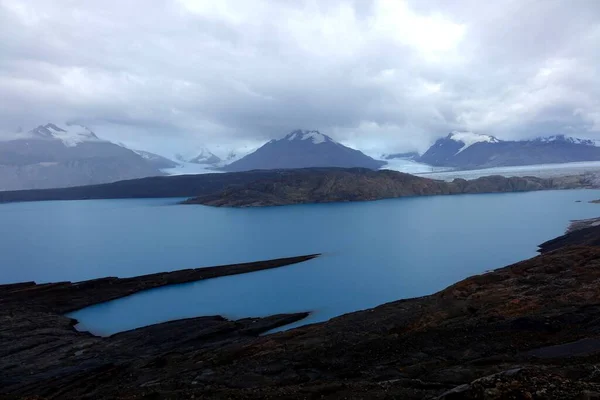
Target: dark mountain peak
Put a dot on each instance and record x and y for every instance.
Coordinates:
(303, 149)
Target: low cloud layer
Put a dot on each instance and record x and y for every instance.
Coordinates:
(381, 75)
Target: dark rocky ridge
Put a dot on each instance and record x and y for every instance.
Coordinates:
(152, 187)
(527, 331)
(356, 184)
(217, 185)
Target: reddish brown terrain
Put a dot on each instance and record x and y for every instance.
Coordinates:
(526, 331)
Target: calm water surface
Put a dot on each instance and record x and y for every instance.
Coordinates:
(374, 252)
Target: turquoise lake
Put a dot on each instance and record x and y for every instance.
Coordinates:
(373, 252)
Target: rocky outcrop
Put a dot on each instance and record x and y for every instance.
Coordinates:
(342, 185)
(527, 331)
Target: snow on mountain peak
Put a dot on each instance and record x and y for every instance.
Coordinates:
(315, 136)
(567, 139)
(469, 138)
(71, 136)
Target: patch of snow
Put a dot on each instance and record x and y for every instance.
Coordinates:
(72, 135)
(469, 138)
(568, 139)
(316, 136)
(141, 153)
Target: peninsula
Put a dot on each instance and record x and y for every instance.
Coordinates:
(356, 184)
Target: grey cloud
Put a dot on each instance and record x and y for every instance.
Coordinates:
(382, 75)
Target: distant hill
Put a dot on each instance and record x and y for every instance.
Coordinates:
(467, 150)
(303, 149)
(51, 156)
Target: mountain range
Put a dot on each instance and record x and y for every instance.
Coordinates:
(467, 150)
(52, 156)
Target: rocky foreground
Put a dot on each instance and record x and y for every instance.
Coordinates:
(342, 185)
(527, 331)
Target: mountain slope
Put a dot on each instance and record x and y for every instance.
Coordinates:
(156, 160)
(303, 149)
(469, 150)
(49, 156)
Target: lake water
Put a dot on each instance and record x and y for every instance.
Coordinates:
(374, 252)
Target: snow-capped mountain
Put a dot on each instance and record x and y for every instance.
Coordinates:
(469, 150)
(71, 135)
(68, 155)
(303, 149)
(446, 149)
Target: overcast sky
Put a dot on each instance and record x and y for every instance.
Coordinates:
(380, 75)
